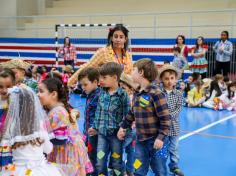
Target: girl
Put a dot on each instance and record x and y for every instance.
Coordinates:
(68, 52)
(196, 96)
(69, 149)
(115, 51)
(26, 133)
(229, 99)
(199, 64)
(7, 80)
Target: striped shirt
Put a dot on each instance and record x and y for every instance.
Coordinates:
(175, 103)
(151, 114)
(102, 56)
(110, 111)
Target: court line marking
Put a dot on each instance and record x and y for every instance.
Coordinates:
(206, 127)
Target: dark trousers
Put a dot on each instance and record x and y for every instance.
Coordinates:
(69, 62)
(222, 67)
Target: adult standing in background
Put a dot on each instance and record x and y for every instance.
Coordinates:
(180, 42)
(115, 51)
(223, 49)
(68, 52)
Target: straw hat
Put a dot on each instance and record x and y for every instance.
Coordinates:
(206, 82)
(168, 67)
(16, 63)
(127, 79)
(68, 69)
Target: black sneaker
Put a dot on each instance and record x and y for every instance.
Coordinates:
(177, 171)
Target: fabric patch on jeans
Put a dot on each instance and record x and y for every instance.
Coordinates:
(137, 164)
(163, 152)
(117, 172)
(101, 175)
(115, 155)
(100, 154)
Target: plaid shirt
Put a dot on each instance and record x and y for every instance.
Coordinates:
(68, 53)
(151, 114)
(175, 103)
(90, 109)
(102, 56)
(110, 111)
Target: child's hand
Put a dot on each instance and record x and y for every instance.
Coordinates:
(158, 144)
(121, 134)
(92, 132)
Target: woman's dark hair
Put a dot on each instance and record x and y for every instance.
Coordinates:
(182, 36)
(230, 93)
(65, 40)
(118, 27)
(28, 73)
(197, 45)
(215, 86)
(227, 34)
(6, 72)
(54, 84)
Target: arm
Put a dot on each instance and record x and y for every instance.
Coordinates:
(178, 106)
(129, 64)
(47, 145)
(74, 54)
(97, 60)
(163, 114)
(229, 51)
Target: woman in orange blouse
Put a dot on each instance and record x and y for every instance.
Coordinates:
(115, 51)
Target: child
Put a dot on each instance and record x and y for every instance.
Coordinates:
(67, 72)
(113, 105)
(30, 81)
(151, 115)
(199, 64)
(229, 99)
(196, 96)
(29, 141)
(169, 76)
(7, 80)
(69, 150)
(179, 62)
(127, 83)
(89, 78)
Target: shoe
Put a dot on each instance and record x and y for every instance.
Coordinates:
(177, 171)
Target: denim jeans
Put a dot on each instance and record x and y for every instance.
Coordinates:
(91, 143)
(129, 150)
(111, 146)
(173, 150)
(145, 156)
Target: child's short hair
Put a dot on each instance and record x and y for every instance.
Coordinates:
(91, 73)
(111, 69)
(166, 62)
(6, 72)
(177, 49)
(219, 77)
(149, 68)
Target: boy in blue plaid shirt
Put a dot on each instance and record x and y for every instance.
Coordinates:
(168, 75)
(113, 105)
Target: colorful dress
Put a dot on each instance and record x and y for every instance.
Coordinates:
(69, 150)
(199, 65)
(5, 151)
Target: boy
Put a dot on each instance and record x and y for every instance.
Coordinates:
(169, 76)
(113, 105)
(152, 118)
(178, 61)
(89, 79)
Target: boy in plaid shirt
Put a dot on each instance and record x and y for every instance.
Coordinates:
(113, 105)
(168, 75)
(151, 115)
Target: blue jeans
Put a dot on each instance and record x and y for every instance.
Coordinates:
(173, 150)
(91, 143)
(109, 145)
(129, 150)
(145, 156)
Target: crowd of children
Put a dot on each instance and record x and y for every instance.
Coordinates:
(136, 115)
